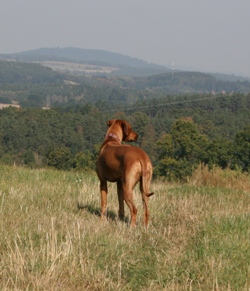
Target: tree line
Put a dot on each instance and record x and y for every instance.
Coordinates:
(178, 133)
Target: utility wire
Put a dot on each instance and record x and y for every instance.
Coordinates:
(163, 104)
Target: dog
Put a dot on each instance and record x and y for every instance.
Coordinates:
(126, 165)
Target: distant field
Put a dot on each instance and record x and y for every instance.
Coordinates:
(77, 68)
(3, 105)
(51, 236)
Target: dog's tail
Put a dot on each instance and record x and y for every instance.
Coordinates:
(146, 178)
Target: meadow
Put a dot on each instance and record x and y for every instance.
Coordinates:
(52, 238)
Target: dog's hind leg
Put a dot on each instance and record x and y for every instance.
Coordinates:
(121, 200)
(145, 200)
(104, 190)
(128, 197)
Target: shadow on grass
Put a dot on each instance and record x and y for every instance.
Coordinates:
(111, 215)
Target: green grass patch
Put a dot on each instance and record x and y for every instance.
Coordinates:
(220, 254)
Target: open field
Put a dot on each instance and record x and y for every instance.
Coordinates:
(77, 68)
(3, 105)
(51, 236)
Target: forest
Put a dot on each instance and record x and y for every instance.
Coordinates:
(206, 122)
(34, 85)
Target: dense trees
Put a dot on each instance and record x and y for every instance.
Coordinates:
(242, 148)
(26, 73)
(181, 151)
(70, 139)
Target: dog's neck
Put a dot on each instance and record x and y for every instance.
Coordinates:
(112, 135)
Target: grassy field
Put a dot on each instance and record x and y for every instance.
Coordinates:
(51, 236)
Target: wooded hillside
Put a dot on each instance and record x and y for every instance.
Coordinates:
(33, 85)
(178, 131)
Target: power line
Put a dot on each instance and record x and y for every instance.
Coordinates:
(163, 104)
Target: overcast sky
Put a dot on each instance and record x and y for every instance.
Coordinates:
(205, 35)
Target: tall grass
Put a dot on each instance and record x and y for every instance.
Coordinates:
(51, 236)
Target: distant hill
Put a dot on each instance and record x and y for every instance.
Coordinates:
(121, 64)
(92, 62)
(192, 82)
(12, 72)
(15, 72)
(54, 77)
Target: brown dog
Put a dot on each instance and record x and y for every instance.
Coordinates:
(126, 165)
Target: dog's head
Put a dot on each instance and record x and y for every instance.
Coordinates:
(127, 133)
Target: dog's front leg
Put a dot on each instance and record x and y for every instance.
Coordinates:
(104, 190)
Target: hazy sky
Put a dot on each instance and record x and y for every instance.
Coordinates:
(205, 35)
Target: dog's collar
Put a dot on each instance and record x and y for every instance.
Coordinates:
(112, 135)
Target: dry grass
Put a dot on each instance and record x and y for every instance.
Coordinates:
(51, 236)
(220, 178)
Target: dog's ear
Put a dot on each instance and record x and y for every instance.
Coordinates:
(126, 127)
(110, 122)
